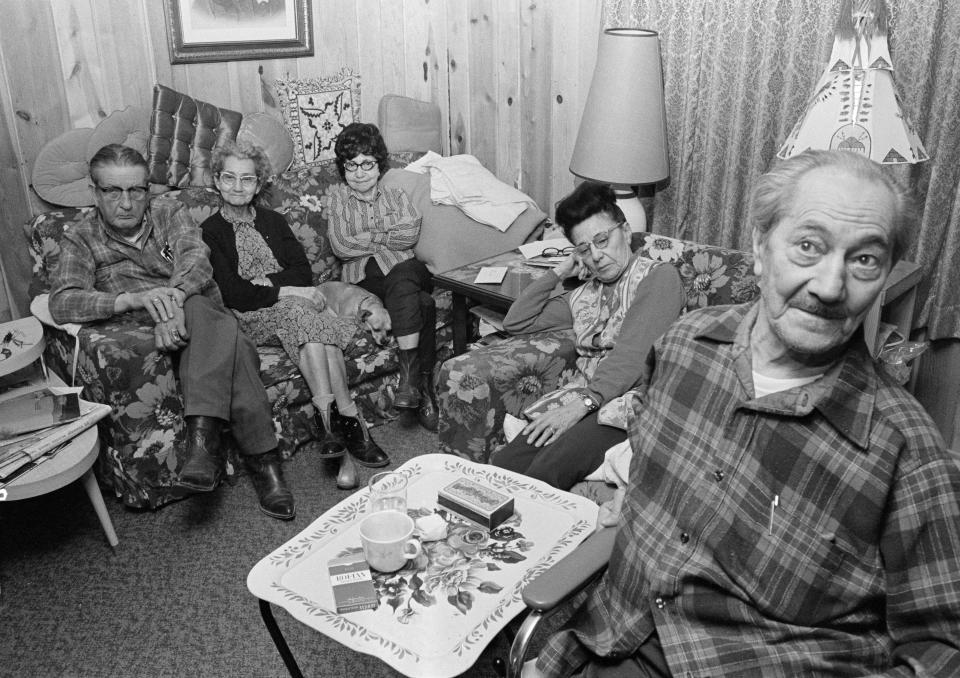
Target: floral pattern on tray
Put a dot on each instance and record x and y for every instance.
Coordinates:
(437, 613)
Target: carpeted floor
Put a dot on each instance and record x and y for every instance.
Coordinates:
(171, 599)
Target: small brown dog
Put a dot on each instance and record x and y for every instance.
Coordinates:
(350, 301)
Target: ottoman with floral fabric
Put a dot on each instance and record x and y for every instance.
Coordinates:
(117, 363)
(476, 389)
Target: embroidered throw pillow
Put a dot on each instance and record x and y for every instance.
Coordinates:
(315, 111)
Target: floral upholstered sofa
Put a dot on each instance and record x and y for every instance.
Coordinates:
(117, 363)
(478, 388)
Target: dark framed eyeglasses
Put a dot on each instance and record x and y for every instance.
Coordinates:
(600, 240)
(557, 252)
(247, 181)
(366, 165)
(114, 193)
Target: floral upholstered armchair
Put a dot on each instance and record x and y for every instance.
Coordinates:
(118, 364)
(478, 388)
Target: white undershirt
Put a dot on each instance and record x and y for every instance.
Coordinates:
(764, 385)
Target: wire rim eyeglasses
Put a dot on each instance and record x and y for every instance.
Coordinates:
(600, 240)
(114, 193)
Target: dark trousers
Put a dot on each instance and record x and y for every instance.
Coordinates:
(405, 291)
(220, 376)
(564, 463)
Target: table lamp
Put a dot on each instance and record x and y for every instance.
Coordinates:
(855, 106)
(623, 133)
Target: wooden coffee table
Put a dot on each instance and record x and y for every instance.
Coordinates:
(460, 282)
(437, 613)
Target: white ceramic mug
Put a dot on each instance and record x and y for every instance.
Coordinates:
(387, 540)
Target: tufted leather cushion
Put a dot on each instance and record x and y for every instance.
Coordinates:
(183, 134)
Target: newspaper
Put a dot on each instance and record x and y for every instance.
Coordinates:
(31, 448)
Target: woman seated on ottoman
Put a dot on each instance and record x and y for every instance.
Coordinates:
(264, 276)
(626, 303)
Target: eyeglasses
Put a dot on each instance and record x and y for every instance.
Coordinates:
(113, 193)
(600, 240)
(555, 252)
(352, 166)
(231, 179)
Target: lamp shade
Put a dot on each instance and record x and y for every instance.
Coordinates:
(623, 133)
(855, 106)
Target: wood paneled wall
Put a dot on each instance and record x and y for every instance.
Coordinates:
(510, 77)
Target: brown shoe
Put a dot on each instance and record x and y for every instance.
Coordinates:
(266, 472)
(360, 445)
(203, 468)
(347, 475)
(427, 413)
(408, 396)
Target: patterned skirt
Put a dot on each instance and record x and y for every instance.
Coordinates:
(295, 321)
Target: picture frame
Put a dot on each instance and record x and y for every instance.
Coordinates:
(233, 30)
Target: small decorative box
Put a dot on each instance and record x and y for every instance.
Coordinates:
(352, 584)
(475, 502)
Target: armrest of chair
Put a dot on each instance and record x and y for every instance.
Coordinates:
(571, 574)
(565, 578)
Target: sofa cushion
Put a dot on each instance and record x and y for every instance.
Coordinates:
(183, 133)
(270, 134)
(448, 237)
(60, 171)
(409, 124)
(315, 111)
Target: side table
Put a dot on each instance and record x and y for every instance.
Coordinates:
(74, 461)
(460, 282)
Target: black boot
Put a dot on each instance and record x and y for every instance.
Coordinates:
(428, 415)
(203, 468)
(266, 472)
(408, 397)
(331, 442)
(359, 443)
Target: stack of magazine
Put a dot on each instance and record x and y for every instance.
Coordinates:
(37, 420)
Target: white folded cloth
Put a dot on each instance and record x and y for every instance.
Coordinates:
(462, 181)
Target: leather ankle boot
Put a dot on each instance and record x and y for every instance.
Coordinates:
(407, 394)
(266, 472)
(359, 443)
(203, 468)
(347, 475)
(427, 414)
(331, 442)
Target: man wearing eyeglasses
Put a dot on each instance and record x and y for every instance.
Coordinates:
(136, 256)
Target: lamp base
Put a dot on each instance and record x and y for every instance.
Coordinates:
(632, 208)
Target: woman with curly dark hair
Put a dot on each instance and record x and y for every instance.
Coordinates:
(373, 230)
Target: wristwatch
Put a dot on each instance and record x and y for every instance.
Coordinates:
(590, 403)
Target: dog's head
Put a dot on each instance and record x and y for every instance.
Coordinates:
(376, 320)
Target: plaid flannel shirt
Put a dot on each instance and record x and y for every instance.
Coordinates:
(385, 228)
(815, 531)
(96, 264)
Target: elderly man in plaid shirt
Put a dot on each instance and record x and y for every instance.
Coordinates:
(790, 511)
(136, 256)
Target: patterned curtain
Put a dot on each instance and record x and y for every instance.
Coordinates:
(737, 74)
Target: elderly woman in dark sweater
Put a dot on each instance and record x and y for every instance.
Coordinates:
(264, 276)
(626, 303)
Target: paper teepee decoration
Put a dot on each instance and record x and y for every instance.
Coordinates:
(855, 106)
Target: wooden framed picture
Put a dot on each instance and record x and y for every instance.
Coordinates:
(231, 30)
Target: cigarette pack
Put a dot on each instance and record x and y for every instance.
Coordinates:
(476, 502)
(352, 584)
